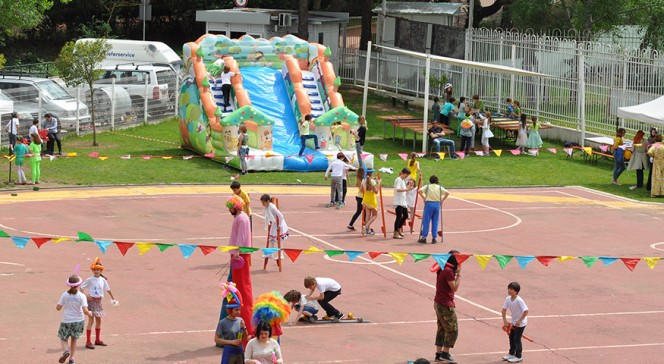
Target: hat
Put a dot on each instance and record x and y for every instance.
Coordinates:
(231, 294)
(96, 265)
(236, 202)
(74, 284)
(447, 85)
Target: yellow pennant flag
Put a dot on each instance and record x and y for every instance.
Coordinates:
(312, 249)
(588, 150)
(12, 157)
(483, 260)
(441, 155)
(167, 157)
(144, 247)
(72, 154)
(563, 258)
(498, 152)
(103, 158)
(399, 257)
(268, 154)
(225, 248)
(328, 156)
(58, 240)
(651, 261)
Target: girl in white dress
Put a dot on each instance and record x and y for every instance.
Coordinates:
(486, 133)
(272, 215)
(522, 138)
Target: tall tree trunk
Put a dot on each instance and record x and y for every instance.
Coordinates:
(303, 21)
(365, 37)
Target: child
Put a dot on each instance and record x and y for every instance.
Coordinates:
(344, 185)
(243, 148)
(522, 138)
(433, 196)
(20, 150)
(226, 85)
(360, 136)
(415, 173)
(35, 160)
(237, 189)
(517, 110)
(304, 307)
(400, 202)
(75, 306)
(327, 289)
(435, 109)
(534, 139)
(447, 111)
(338, 168)
(274, 219)
(618, 155)
(467, 132)
(96, 286)
(230, 332)
(510, 108)
(519, 313)
(303, 127)
(336, 129)
(486, 133)
(359, 196)
(12, 130)
(370, 186)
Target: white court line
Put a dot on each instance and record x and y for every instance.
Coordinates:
(10, 263)
(567, 349)
(591, 200)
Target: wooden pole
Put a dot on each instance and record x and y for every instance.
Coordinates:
(382, 208)
(417, 195)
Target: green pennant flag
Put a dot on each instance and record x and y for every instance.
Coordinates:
(589, 261)
(3, 234)
(246, 249)
(163, 247)
(84, 237)
(333, 253)
(418, 256)
(503, 260)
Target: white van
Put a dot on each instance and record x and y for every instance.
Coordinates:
(124, 51)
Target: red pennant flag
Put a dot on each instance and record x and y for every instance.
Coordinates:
(123, 247)
(373, 255)
(209, 155)
(462, 257)
(292, 253)
(93, 155)
(630, 263)
(206, 249)
(545, 259)
(309, 158)
(40, 241)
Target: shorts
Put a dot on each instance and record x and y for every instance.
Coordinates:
(70, 329)
(94, 305)
(20, 161)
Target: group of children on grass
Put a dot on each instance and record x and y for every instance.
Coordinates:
(643, 153)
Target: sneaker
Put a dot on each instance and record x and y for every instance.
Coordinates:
(632, 187)
(350, 227)
(64, 356)
(89, 346)
(371, 232)
(342, 204)
(433, 241)
(396, 236)
(447, 358)
(422, 240)
(313, 318)
(515, 359)
(508, 357)
(438, 358)
(338, 206)
(338, 317)
(71, 361)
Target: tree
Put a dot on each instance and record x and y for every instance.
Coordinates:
(303, 20)
(77, 65)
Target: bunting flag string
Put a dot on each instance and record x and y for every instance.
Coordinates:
(483, 260)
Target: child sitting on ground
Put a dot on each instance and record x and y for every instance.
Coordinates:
(305, 308)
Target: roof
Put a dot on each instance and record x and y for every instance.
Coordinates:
(422, 8)
(264, 16)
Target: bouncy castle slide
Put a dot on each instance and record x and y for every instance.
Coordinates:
(276, 83)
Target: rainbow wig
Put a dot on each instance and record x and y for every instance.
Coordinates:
(236, 202)
(270, 307)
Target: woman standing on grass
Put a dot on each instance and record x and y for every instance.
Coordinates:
(656, 151)
(618, 156)
(639, 160)
(651, 141)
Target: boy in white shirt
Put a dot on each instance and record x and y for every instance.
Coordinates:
(401, 202)
(338, 168)
(327, 289)
(519, 313)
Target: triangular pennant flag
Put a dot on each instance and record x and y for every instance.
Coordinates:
(93, 155)
(250, 157)
(207, 249)
(533, 152)
(167, 157)
(462, 257)
(103, 158)
(51, 158)
(373, 255)
(545, 259)
(399, 257)
(524, 260)
(268, 154)
(461, 155)
(247, 250)
(269, 251)
(225, 248)
(40, 241)
(630, 263)
(498, 152)
(588, 150)
(128, 156)
(20, 241)
(310, 158)
(503, 260)
(292, 253)
(441, 259)
(352, 254)
(59, 240)
(651, 261)
(479, 153)
(123, 247)
(483, 260)
(441, 155)
(364, 155)
(332, 253)
(11, 157)
(72, 154)
(103, 245)
(163, 247)
(3, 234)
(186, 249)
(383, 157)
(187, 157)
(568, 151)
(229, 158)
(564, 258)
(418, 256)
(552, 150)
(144, 247)
(208, 155)
(604, 148)
(589, 261)
(84, 237)
(515, 152)
(608, 260)
(312, 249)
(420, 155)
(403, 156)
(329, 156)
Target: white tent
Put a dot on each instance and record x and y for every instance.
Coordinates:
(651, 112)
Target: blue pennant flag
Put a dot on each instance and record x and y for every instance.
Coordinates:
(103, 245)
(441, 259)
(186, 250)
(20, 241)
(608, 260)
(352, 254)
(269, 251)
(524, 260)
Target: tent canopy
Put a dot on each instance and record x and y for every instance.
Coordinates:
(651, 112)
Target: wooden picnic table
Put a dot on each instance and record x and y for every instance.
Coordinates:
(406, 123)
(504, 127)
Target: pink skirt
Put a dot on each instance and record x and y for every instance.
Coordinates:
(94, 305)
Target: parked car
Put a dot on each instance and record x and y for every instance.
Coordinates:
(26, 93)
(133, 78)
(25, 113)
(104, 101)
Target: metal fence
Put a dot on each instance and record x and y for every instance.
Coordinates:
(612, 76)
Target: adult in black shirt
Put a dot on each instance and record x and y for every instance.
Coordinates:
(360, 135)
(437, 137)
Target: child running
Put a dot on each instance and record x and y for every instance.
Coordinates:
(20, 150)
(519, 314)
(522, 138)
(359, 196)
(96, 286)
(273, 219)
(326, 290)
(35, 160)
(305, 308)
(75, 305)
(370, 185)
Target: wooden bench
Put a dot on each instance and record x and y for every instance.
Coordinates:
(597, 156)
(396, 97)
(412, 124)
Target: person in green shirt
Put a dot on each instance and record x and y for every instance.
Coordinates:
(35, 160)
(303, 125)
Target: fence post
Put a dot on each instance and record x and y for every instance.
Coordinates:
(467, 57)
(539, 80)
(113, 100)
(500, 76)
(426, 103)
(377, 71)
(417, 85)
(78, 118)
(582, 94)
(512, 95)
(396, 84)
(145, 103)
(366, 80)
(624, 88)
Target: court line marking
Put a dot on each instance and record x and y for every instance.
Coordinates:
(10, 263)
(595, 347)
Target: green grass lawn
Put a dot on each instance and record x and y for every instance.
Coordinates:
(507, 170)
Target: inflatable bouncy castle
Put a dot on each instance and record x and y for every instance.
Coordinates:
(276, 83)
